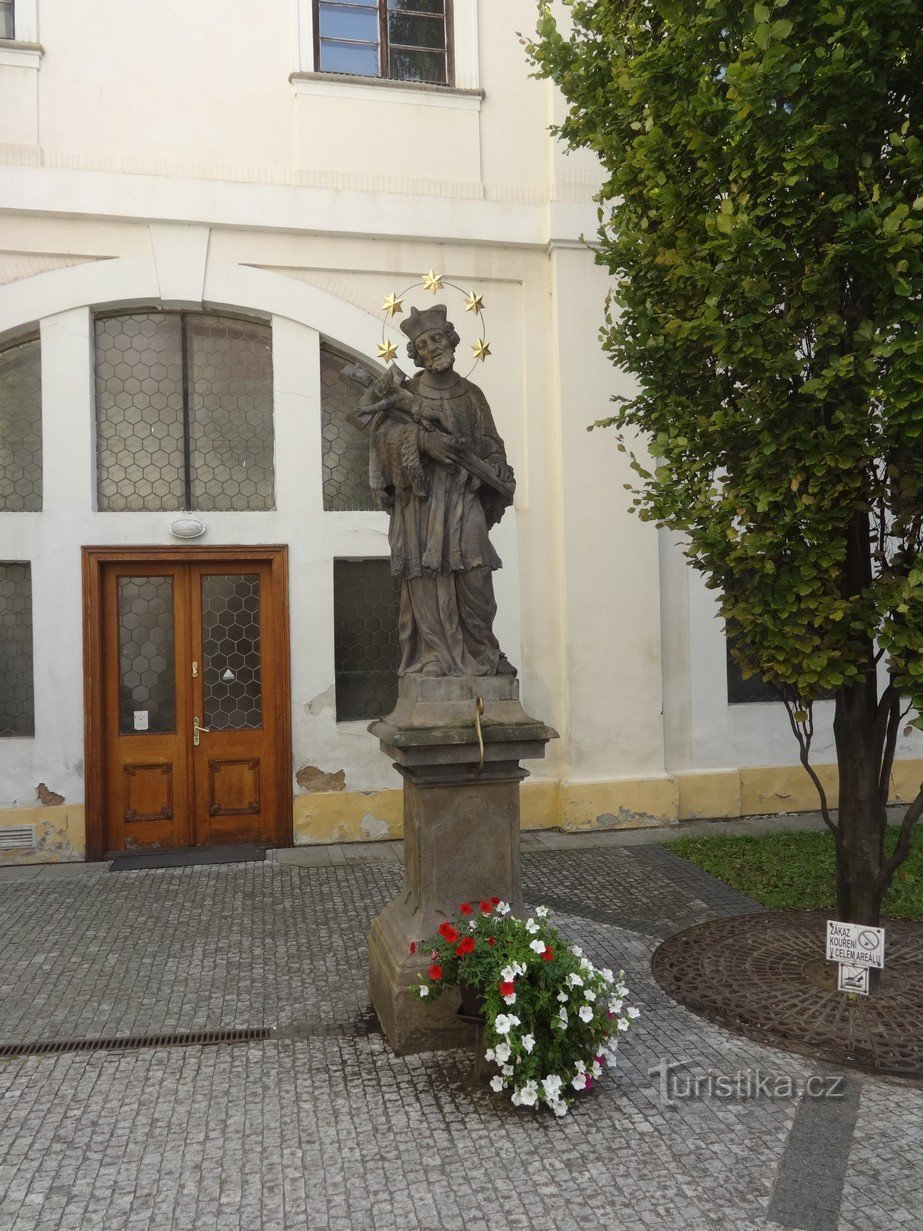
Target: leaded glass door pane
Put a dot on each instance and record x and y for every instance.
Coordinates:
(147, 671)
(231, 650)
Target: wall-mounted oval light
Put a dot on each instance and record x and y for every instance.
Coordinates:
(187, 528)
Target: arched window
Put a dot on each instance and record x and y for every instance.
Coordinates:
(21, 427)
(346, 448)
(183, 412)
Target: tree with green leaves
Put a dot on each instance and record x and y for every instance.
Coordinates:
(762, 217)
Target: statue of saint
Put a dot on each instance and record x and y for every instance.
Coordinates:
(438, 466)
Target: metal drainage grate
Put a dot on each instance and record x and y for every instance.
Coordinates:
(184, 1038)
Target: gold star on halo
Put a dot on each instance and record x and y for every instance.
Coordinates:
(474, 303)
(392, 304)
(481, 349)
(432, 281)
(387, 351)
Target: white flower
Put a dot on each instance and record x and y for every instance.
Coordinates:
(615, 1006)
(579, 1081)
(552, 1087)
(472, 925)
(528, 1094)
(497, 1084)
(580, 1066)
(510, 999)
(562, 1015)
(559, 1108)
(585, 1013)
(590, 994)
(502, 1053)
(608, 976)
(596, 1069)
(528, 1042)
(623, 1024)
(520, 968)
(537, 946)
(574, 980)
(507, 1070)
(633, 1012)
(563, 997)
(531, 927)
(424, 990)
(508, 974)
(502, 908)
(576, 951)
(586, 964)
(490, 1055)
(541, 911)
(503, 1022)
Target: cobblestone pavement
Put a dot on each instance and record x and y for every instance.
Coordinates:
(324, 1128)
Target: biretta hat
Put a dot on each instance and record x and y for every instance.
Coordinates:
(421, 322)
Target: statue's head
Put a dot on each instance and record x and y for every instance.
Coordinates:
(432, 338)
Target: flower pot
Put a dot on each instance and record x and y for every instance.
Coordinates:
(472, 1005)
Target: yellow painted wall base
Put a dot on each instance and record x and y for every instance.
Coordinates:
(628, 803)
(60, 833)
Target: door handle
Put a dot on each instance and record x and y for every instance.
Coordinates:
(197, 730)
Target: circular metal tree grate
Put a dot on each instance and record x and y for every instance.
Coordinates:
(765, 976)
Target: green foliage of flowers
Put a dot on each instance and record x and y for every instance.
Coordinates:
(552, 1018)
(795, 871)
(763, 218)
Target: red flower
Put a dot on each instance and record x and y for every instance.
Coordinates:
(465, 908)
(435, 973)
(486, 908)
(465, 945)
(491, 941)
(413, 946)
(450, 933)
(507, 989)
(495, 901)
(548, 955)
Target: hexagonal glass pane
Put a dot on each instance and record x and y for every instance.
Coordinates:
(21, 428)
(345, 448)
(147, 676)
(231, 651)
(230, 413)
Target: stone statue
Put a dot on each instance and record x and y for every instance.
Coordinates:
(438, 466)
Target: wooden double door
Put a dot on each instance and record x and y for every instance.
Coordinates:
(191, 698)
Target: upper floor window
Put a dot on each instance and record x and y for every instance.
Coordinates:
(7, 27)
(401, 40)
(183, 412)
(21, 428)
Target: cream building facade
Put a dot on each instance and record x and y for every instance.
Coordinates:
(200, 165)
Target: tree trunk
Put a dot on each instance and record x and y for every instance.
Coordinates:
(862, 818)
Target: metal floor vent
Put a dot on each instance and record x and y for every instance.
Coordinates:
(17, 838)
(182, 1038)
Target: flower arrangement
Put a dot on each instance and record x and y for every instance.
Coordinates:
(552, 1018)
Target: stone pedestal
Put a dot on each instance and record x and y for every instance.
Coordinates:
(461, 835)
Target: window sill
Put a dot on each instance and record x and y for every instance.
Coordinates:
(15, 54)
(381, 89)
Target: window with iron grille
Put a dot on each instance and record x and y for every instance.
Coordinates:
(401, 40)
(17, 695)
(183, 413)
(7, 27)
(366, 602)
(21, 427)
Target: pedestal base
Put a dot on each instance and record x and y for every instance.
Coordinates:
(461, 838)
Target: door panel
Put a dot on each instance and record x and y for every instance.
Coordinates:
(191, 670)
(146, 711)
(232, 640)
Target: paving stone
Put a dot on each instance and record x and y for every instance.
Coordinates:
(323, 1127)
